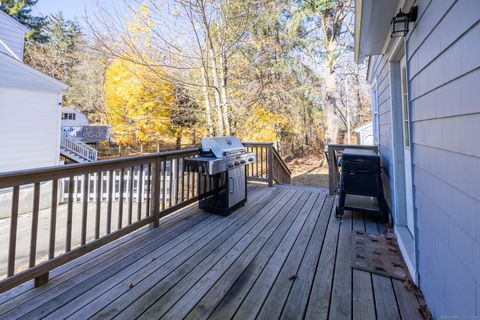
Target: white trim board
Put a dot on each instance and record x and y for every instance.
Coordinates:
(406, 244)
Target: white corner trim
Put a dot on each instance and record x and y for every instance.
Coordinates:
(406, 257)
(357, 32)
(10, 51)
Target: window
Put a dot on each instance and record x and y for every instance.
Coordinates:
(406, 119)
(68, 116)
(375, 116)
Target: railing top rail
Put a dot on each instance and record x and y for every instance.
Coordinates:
(258, 143)
(353, 146)
(16, 178)
(281, 161)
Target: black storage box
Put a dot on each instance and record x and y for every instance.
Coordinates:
(361, 179)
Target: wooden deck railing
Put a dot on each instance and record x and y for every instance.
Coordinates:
(333, 153)
(112, 197)
(269, 165)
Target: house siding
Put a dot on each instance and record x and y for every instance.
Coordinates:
(34, 143)
(12, 35)
(443, 61)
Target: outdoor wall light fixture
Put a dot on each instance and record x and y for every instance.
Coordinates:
(401, 22)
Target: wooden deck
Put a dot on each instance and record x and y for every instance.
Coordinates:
(283, 255)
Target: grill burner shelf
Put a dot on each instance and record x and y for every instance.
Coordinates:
(222, 182)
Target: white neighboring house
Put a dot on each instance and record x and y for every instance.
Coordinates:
(365, 134)
(73, 121)
(29, 106)
(73, 118)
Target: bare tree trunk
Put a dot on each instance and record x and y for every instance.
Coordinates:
(218, 100)
(208, 106)
(194, 137)
(214, 67)
(223, 92)
(178, 142)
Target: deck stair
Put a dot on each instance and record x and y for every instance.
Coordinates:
(76, 150)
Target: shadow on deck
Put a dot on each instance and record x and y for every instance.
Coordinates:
(283, 255)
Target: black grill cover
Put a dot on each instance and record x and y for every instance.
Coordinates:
(360, 161)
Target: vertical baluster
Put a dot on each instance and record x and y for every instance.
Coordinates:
(188, 184)
(130, 196)
(33, 235)
(12, 244)
(170, 184)
(53, 220)
(182, 197)
(257, 162)
(155, 209)
(99, 204)
(139, 193)
(68, 239)
(261, 162)
(177, 172)
(164, 191)
(149, 186)
(252, 165)
(269, 165)
(85, 208)
(195, 184)
(109, 201)
(120, 198)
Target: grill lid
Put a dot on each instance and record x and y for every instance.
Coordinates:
(222, 146)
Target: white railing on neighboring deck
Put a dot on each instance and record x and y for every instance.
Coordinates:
(78, 147)
(135, 185)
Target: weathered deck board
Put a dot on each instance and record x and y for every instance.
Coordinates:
(363, 304)
(283, 255)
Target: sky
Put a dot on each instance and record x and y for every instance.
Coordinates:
(71, 8)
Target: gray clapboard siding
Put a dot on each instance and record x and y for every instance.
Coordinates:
(448, 31)
(460, 58)
(458, 97)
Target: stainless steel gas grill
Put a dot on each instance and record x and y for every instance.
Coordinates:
(222, 182)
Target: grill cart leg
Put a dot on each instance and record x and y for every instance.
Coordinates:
(341, 202)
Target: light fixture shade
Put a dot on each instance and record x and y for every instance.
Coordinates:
(400, 23)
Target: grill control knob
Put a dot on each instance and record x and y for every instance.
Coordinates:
(250, 159)
(243, 161)
(237, 163)
(229, 164)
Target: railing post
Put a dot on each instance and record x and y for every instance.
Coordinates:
(331, 168)
(270, 165)
(155, 196)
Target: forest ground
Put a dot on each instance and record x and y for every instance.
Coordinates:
(309, 171)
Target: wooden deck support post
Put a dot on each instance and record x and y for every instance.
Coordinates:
(331, 169)
(41, 280)
(155, 196)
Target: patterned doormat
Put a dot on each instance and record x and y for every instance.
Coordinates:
(377, 254)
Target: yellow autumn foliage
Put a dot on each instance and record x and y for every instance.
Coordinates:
(262, 125)
(137, 102)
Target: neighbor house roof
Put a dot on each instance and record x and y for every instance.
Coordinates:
(372, 26)
(18, 75)
(23, 27)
